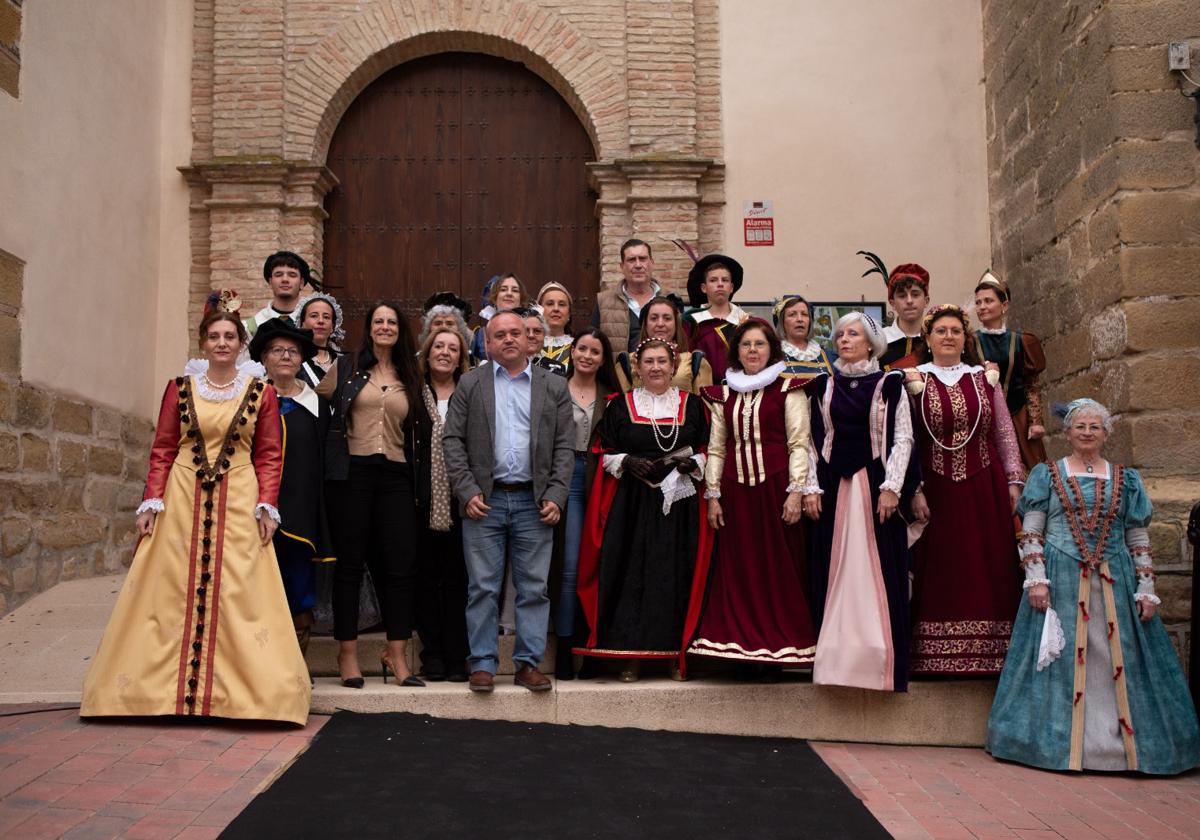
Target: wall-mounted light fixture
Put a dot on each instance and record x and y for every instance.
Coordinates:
(1179, 60)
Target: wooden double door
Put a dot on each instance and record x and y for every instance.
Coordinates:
(453, 168)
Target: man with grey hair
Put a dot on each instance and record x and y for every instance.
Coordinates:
(510, 452)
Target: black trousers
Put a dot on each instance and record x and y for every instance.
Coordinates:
(373, 519)
(442, 598)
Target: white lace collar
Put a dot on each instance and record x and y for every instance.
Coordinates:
(659, 407)
(555, 341)
(862, 368)
(736, 314)
(197, 368)
(810, 353)
(1000, 330)
(487, 312)
(951, 374)
(742, 382)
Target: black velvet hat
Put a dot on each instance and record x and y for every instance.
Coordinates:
(696, 296)
(282, 328)
(448, 299)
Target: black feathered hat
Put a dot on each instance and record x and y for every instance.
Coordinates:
(696, 277)
(282, 328)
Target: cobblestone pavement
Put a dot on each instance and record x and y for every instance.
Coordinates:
(944, 792)
(61, 776)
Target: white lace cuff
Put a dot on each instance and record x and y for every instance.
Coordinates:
(269, 510)
(155, 505)
(890, 485)
(797, 487)
(1147, 596)
(1032, 582)
(614, 465)
(712, 493)
(1145, 585)
(674, 487)
(700, 460)
(1035, 570)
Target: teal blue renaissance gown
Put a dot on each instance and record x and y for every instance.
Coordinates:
(1115, 699)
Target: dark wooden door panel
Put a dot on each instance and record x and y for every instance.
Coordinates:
(453, 168)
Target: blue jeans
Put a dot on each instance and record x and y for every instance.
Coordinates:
(564, 621)
(512, 527)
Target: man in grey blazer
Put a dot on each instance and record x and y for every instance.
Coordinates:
(510, 451)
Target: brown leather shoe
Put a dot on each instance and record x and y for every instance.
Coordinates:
(482, 682)
(532, 678)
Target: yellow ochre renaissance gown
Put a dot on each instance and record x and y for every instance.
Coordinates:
(201, 626)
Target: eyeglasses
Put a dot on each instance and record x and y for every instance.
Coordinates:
(284, 352)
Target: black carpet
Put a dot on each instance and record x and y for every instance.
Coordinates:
(407, 776)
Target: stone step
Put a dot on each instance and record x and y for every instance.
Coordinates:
(942, 713)
(322, 654)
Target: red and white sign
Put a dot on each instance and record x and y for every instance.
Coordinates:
(758, 223)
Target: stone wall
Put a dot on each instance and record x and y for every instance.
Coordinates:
(71, 474)
(1095, 205)
(10, 46)
(271, 81)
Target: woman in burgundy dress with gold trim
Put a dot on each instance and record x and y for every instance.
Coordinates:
(756, 606)
(966, 589)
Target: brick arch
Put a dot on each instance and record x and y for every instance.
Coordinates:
(392, 32)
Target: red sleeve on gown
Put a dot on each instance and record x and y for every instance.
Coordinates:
(267, 454)
(166, 444)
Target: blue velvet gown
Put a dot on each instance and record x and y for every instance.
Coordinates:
(1116, 692)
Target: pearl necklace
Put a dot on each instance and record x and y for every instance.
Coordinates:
(672, 435)
(214, 386)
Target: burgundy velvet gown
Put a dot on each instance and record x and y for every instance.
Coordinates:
(967, 581)
(756, 604)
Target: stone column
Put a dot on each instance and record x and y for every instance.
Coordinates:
(243, 212)
(657, 199)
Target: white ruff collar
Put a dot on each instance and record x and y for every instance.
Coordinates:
(810, 353)
(197, 368)
(948, 375)
(661, 407)
(558, 340)
(742, 382)
(1000, 330)
(856, 368)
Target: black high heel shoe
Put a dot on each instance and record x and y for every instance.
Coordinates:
(409, 682)
(350, 682)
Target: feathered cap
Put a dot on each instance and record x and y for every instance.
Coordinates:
(907, 271)
(696, 295)
(223, 300)
(448, 299)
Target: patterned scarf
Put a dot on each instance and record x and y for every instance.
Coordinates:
(439, 495)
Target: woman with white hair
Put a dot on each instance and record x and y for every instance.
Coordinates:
(1091, 682)
(860, 496)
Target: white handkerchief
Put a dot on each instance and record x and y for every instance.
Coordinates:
(1053, 640)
